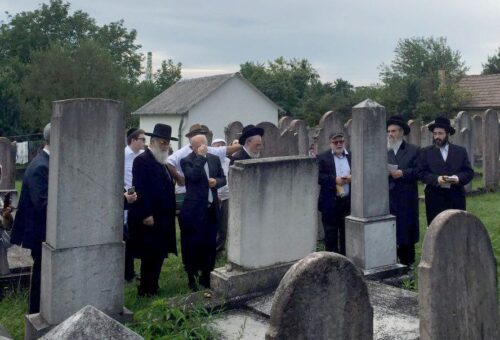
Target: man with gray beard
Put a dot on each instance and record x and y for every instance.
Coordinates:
(152, 216)
(251, 139)
(403, 191)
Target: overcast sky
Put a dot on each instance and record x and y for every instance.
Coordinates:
(346, 39)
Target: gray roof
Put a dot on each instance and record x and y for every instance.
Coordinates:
(484, 91)
(183, 95)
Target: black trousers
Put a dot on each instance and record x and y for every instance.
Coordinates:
(438, 200)
(129, 259)
(36, 270)
(406, 254)
(334, 225)
(150, 274)
(222, 225)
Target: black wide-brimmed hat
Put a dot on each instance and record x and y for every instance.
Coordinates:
(197, 129)
(443, 123)
(162, 131)
(249, 131)
(398, 120)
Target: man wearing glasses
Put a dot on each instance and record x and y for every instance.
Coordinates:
(334, 201)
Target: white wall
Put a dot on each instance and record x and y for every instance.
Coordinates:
(235, 100)
(147, 123)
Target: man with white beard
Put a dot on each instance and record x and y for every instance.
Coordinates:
(403, 191)
(152, 216)
(251, 139)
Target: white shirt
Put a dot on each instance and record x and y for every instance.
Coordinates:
(129, 161)
(175, 160)
(223, 192)
(342, 168)
(444, 151)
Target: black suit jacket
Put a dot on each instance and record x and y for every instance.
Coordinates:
(239, 156)
(31, 218)
(326, 180)
(155, 197)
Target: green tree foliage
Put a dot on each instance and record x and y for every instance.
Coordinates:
(493, 64)
(167, 75)
(413, 86)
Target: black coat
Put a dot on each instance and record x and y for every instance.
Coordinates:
(30, 222)
(326, 180)
(431, 165)
(239, 156)
(403, 193)
(155, 197)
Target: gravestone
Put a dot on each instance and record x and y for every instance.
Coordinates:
(233, 131)
(457, 280)
(477, 134)
(466, 142)
(82, 258)
(323, 296)
(90, 323)
(288, 143)
(330, 122)
(348, 132)
(425, 136)
(300, 128)
(370, 229)
(259, 248)
(210, 134)
(7, 165)
(284, 123)
(270, 145)
(414, 136)
(490, 150)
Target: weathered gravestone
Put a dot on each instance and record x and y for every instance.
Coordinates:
(477, 136)
(323, 296)
(270, 145)
(7, 164)
(330, 122)
(457, 280)
(272, 222)
(90, 323)
(370, 229)
(284, 123)
(299, 127)
(415, 132)
(233, 131)
(348, 133)
(466, 142)
(490, 150)
(425, 136)
(83, 256)
(288, 143)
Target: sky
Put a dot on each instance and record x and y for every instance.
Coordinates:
(346, 39)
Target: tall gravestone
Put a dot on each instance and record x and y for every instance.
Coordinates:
(370, 229)
(457, 280)
(329, 123)
(477, 136)
(8, 164)
(464, 121)
(466, 142)
(490, 150)
(348, 132)
(323, 296)
(425, 136)
(233, 131)
(288, 143)
(83, 256)
(299, 127)
(415, 132)
(270, 146)
(284, 123)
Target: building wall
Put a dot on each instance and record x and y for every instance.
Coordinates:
(235, 100)
(147, 123)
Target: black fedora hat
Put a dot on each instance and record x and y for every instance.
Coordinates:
(249, 131)
(443, 123)
(398, 120)
(162, 131)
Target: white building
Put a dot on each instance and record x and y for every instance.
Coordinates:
(213, 101)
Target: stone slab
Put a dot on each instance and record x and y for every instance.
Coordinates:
(240, 324)
(237, 281)
(19, 258)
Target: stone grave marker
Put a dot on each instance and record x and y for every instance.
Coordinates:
(270, 140)
(329, 123)
(457, 280)
(490, 150)
(233, 131)
(466, 142)
(7, 164)
(414, 136)
(82, 258)
(288, 143)
(284, 123)
(348, 132)
(323, 296)
(477, 134)
(425, 136)
(300, 128)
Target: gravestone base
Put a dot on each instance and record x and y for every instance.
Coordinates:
(36, 326)
(239, 281)
(371, 242)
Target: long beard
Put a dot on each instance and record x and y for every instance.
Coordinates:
(254, 155)
(160, 156)
(392, 144)
(440, 143)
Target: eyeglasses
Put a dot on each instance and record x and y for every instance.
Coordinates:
(337, 142)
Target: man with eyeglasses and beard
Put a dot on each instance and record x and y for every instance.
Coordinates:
(152, 216)
(445, 169)
(334, 200)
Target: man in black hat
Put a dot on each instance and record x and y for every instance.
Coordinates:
(445, 169)
(334, 200)
(403, 190)
(251, 140)
(152, 216)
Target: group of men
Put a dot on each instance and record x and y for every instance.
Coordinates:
(443, 167)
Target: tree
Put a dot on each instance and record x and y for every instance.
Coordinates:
(167, 75)
(493, 64)
(422, 79)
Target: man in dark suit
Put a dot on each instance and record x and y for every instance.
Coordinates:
(30, 222)
(200, 211)
(152, 216)
(334, 197)
(403, 190)
(445, 169)
(251, 139)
